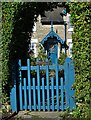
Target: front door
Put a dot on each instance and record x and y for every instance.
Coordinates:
(53, 53)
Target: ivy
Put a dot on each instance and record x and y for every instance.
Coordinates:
(7, 29)
(0, 53)
(81, 19)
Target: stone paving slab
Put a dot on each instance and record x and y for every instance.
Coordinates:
(43, 114)
(24, 115)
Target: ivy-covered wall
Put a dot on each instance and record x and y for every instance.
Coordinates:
(81, 19)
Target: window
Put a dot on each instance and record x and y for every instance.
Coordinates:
(34, 27)
(70, 26)
(32, 46)
(70, 49)
(70, 44)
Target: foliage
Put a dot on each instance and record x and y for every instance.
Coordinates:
(82, 111)
(15, 27)
(42, 55)
(81, 19)
(0, 54)
(62, 58)
(7, 25)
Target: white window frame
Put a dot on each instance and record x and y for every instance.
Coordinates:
(70, 44)
(34, 27)
(34, 42)
(70, 26)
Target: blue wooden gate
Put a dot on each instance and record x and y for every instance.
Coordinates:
(43, 93)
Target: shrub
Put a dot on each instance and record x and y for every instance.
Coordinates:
(81, 19)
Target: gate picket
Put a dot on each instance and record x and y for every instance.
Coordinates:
(47, 80)
(57, 88)
(34, 93)
(20, 86)
(29, 84)
(62, 94)
(25, 94)
(66, 73)
(38, 82)
(52, 92)
(43, 94)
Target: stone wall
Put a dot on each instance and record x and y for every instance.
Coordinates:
(43, 30)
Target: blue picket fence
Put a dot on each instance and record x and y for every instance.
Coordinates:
(48, 93)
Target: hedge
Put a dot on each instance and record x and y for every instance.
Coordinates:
(81, 19)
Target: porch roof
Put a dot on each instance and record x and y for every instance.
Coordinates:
(52, 34)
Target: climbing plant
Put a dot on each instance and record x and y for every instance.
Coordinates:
(81, 19)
